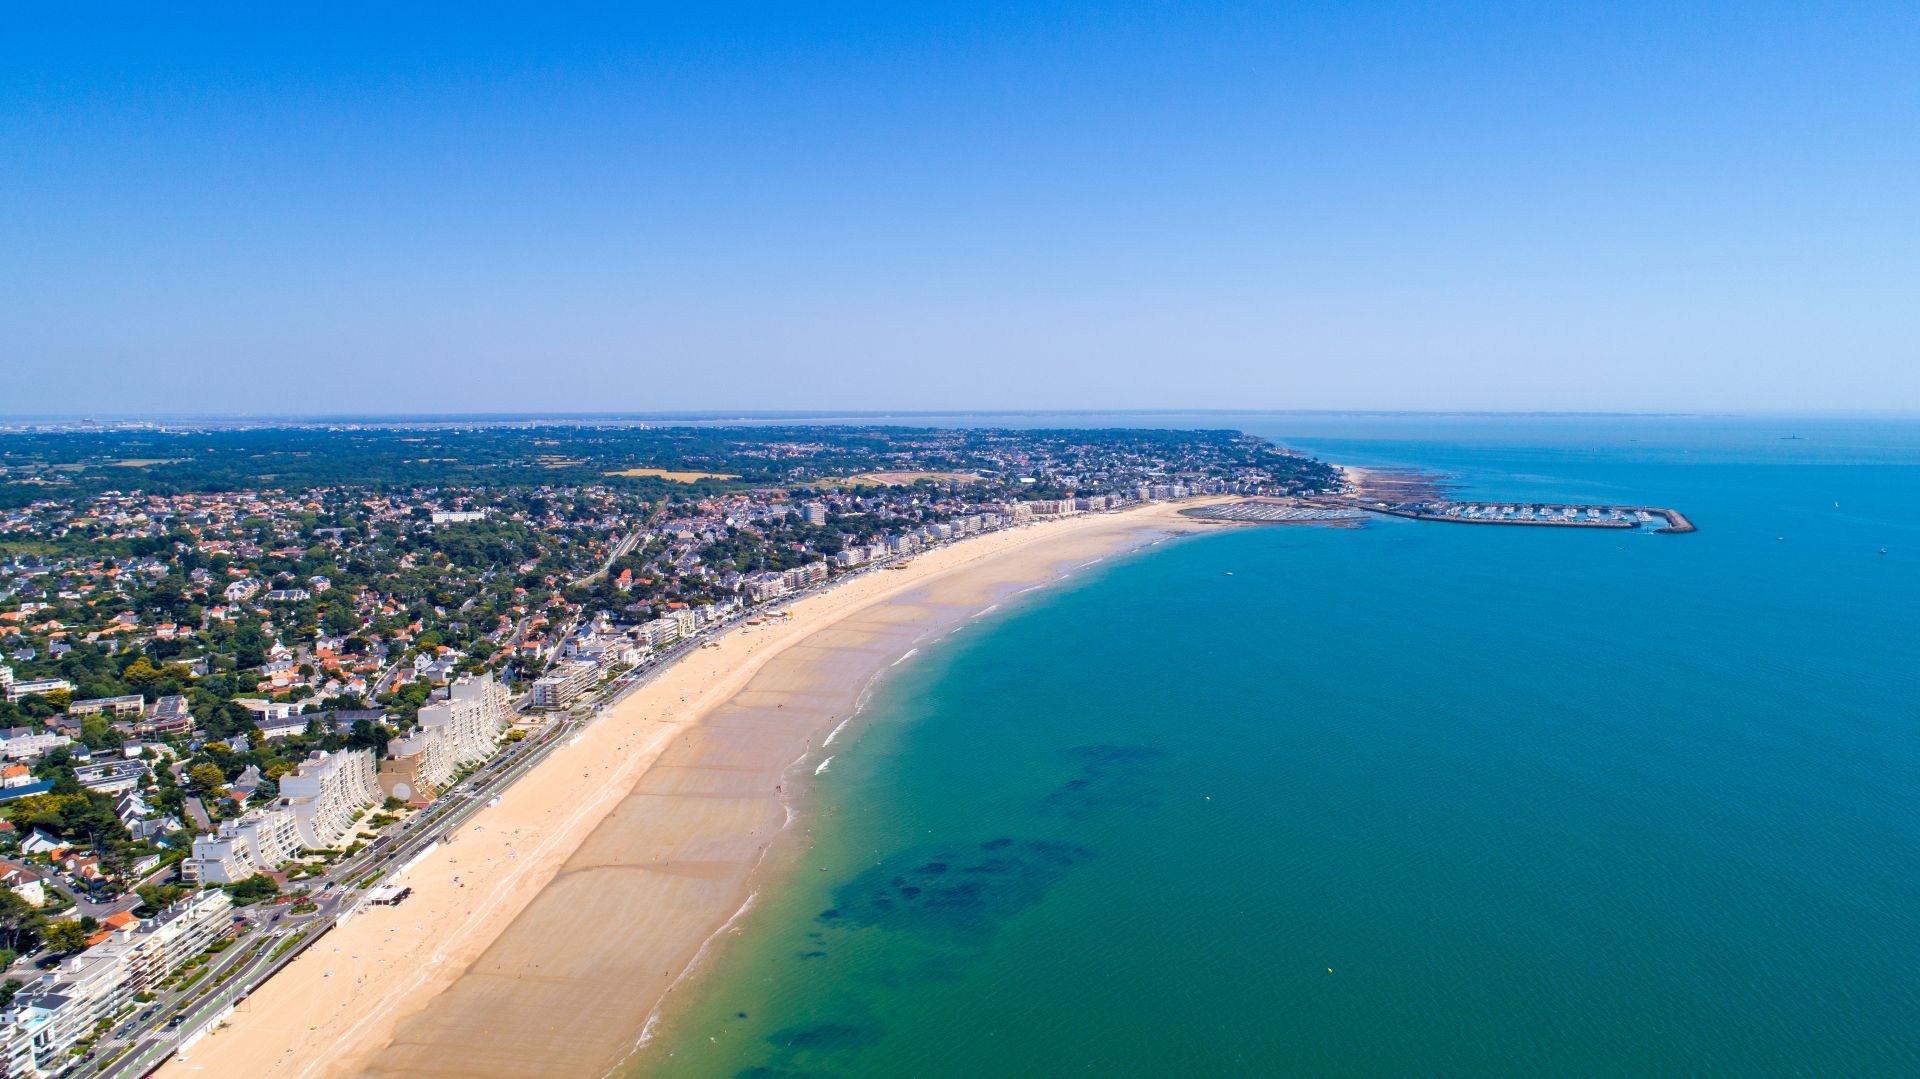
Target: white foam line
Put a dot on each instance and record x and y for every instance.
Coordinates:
(835, 733)
(653, 1019)
(823, 766)
(909, 655)
(987, 610)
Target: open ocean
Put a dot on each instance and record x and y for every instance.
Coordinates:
(1411, 799)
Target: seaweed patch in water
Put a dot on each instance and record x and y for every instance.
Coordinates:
(824, 1038)
(953, 890)
(1111, 777)
(803, 1050)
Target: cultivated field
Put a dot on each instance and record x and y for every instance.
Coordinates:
(677, 477)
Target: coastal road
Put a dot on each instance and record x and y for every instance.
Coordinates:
(155, 1034)
(176, 1015)
(268, 941)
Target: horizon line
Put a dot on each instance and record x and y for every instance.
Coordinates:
(722, 415)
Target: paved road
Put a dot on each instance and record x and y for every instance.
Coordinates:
(155, 1032)
(626, 543)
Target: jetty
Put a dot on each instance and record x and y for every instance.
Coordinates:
(1350, 507)
(1543, 514)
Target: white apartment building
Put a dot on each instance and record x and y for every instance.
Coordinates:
(263, 709)
(765, 586)
(255, 842)
(416, 766)
(63, 1005)
(557, 690)
(130, 705)
(110, 777)
(327, 792)
(801, 576)
(175, 935)
(659, 631)
(25, 743)
(42, 686)
(463, 728)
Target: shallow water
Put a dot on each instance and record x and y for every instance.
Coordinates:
(1410, 799)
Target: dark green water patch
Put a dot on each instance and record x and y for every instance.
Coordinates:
(820, 1048)
(1108, 778)
(825, 1037)
(953, 891)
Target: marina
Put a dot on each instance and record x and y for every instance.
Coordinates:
(1550, 514)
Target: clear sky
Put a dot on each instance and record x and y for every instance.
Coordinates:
(345, 207)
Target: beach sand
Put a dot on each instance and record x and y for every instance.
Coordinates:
(543, 937)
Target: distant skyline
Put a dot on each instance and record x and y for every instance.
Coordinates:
(938, 208)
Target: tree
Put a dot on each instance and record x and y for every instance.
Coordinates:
(141, 672)
(96, 732)
(206, 778)
(65, 935)
(340, 619)
(253, 889)
(117, 859)
(249, 647)
(17, 918)
(157, 897)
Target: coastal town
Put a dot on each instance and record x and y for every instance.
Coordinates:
(935, 541)
(233, 705)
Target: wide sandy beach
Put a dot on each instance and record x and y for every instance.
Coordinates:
(542, 939)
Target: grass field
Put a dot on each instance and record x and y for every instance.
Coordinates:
(128, 462)
(677, 477)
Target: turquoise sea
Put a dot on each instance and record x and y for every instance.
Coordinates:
(1413, 799)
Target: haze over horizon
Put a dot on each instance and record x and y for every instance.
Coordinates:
(941, 209)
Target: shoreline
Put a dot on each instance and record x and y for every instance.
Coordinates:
(640, 864)
(785, 851)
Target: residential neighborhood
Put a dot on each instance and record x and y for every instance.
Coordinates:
(219, 704)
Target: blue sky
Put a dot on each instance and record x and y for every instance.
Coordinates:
(349, 208)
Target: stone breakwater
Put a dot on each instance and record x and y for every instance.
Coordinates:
(1547, 514)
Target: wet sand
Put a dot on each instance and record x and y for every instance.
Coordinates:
(542, 940)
